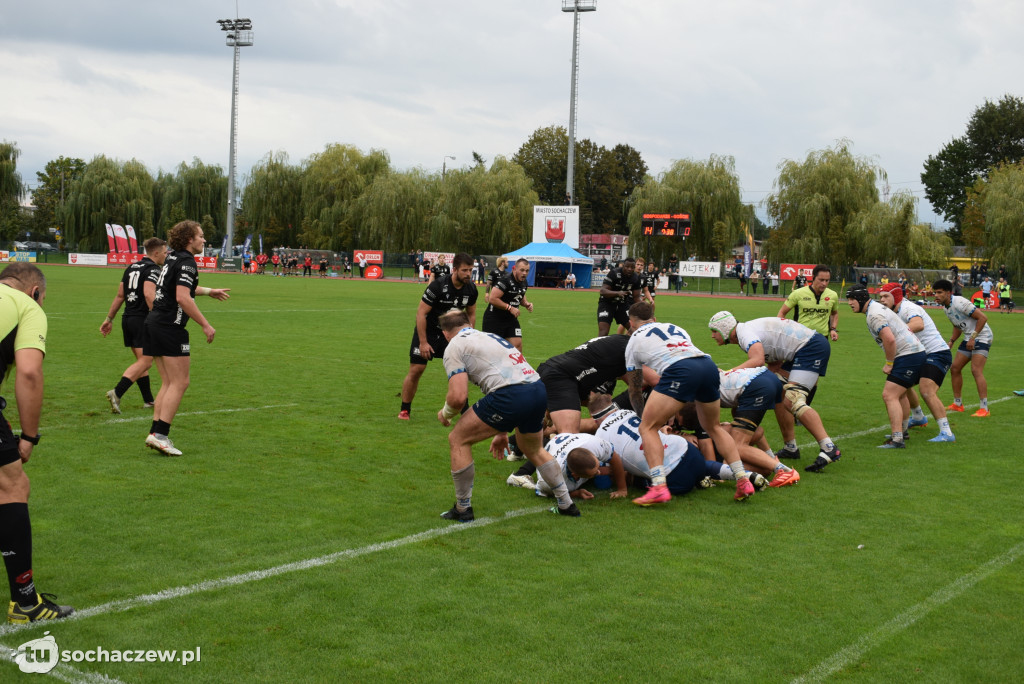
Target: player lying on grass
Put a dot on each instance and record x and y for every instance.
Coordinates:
(582, 457)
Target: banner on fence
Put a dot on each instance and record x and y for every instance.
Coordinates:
(791, 271)
(700, 269)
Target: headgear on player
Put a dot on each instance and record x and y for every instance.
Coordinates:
(859, 295)
(723, 323)
(896, 290)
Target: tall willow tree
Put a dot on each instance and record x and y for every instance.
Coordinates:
(193, 192)
(484, 211)
(707, 190)
(273, 199)
(1004, 218)
(109, 191)
(395, 210)
(888, 232)
(331, 181)
(10, 189)
(814, 203)
(10, 179)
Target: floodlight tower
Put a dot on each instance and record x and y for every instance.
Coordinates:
(574, 6)
(239, 35)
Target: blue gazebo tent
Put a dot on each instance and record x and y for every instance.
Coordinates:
(549, 259)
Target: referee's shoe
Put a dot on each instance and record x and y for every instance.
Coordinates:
(45, 609)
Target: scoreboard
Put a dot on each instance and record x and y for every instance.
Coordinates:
(666, 225)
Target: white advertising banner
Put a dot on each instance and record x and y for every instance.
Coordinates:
(557, 224)
(87, 259)
(700, 269)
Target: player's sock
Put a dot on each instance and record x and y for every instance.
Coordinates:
(658, 475)
(16, 547)
(918, 413)
(825, 444)
(406, 406)
(463, 480)
(791, 445)
(122, 386)
(717, 471)
(552, 474)
(944, 426)
(897, 437)
(771, 454)
(161, 428)
(738, 470)
(958, 401)
(984, 403)
(906, 425)
(782, 468)
(147, 393)
(526, 469)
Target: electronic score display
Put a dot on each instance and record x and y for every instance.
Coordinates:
(666, 225)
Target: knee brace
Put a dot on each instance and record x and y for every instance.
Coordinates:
(797, 396)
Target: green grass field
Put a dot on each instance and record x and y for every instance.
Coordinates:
(298, 538)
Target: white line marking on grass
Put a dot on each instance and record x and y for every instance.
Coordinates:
(136, 419)
(65, 672)
(869, 431)
(201, 413)
(256, 575)
(854, 652)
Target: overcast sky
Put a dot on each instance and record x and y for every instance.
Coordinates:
(760, 81)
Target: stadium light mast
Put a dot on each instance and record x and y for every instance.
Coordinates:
(574, 6)
(239, 35)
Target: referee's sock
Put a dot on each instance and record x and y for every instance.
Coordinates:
(122, 386)
(147, 393)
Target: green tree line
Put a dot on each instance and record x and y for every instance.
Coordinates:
(823, 208)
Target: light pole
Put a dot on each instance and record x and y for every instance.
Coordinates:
(574, 6)
(239, 35)
(444, 164)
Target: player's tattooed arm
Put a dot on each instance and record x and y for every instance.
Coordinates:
(636, 390)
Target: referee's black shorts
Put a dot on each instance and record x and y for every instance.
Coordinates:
(165, 340)
(8, 444)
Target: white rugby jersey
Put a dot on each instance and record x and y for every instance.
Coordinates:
(930, 336)
(659, 345)
(781, 338)
(959, 314)
(490, 361)
(559, 447)
(879, 317)
(733, 382)
(621, 429)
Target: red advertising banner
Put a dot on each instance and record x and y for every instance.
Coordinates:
(373, 256)
(110, 237)
(791, 271)
(122, 258)
(120, 237)
(133, 243)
